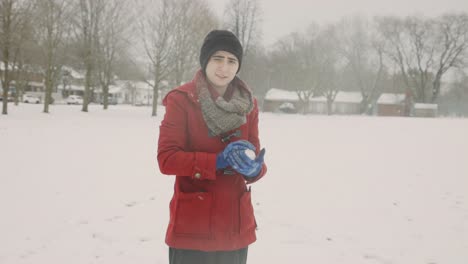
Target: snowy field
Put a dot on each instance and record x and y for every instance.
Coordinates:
(80, 188)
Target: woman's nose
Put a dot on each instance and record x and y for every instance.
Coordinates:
(222, 65)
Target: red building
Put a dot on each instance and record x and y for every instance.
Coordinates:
(397, 104)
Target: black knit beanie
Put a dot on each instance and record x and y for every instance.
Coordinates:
(220, 40)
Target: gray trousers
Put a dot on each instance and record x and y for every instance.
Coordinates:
(185, 256)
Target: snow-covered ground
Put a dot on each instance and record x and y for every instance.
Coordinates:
(85, 188)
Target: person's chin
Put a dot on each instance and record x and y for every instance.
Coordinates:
(220, 84)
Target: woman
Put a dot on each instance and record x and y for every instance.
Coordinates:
(210, 126)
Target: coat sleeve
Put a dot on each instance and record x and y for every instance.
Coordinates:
(254, 139)
(173, 157)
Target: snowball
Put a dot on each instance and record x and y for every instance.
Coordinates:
(250, 154)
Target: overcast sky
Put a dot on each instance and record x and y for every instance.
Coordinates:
(281, 17)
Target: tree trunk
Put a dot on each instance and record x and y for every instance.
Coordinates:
(47, 90)
(436, 86)
(5, 84)
(155, 98)
(105, 94)
(329, 107)
(364, 105)
(5, 98)
(48, 84)
(86, 96)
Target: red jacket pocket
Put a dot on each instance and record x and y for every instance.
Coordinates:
(193, 214)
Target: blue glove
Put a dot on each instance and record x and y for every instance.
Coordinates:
(234, 154)
(251, 168)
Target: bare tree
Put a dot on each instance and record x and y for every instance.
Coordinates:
(86, 31)
(452, 40)
(243, 18)
(23, 59)
(307, 64)
(189, 30)
(182, 41)
(425, 49)
(332, 66)
(13, 18)
(172, 34)
(421, 53)
(52, 17)
(363, 51)
(294, 65)
(156, 27)
(455, 101)
(405, 46)
(111, 40)
(256, 71)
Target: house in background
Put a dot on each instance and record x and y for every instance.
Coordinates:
(393, 104)
(347, 103)
(136, 92)
(277, 99)
(71, 83)
(28, 79)
(113, 95)
(425, 110)
(120, 91)
(318, 105)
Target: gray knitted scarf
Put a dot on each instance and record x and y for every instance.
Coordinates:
(220, 115)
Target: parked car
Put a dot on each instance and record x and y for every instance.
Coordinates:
(139, 103)
(288, 108)
(74, 99)
(31, 99)
(9, 98)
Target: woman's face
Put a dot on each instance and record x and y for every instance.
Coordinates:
(221, 69)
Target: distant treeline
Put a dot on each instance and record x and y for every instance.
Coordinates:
(158, 41)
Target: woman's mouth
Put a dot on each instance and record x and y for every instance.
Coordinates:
(221, 76)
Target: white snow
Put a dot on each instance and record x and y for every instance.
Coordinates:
(75, 87)
(85, 188)
(425, 106)
(275, 94)
(114, 89)
(137, 84)
(2, 66)
(74, 73)
(390, 98)
(250, 154)
(348, 97)
(320, 99)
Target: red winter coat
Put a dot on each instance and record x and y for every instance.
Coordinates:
(210, 210)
